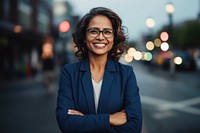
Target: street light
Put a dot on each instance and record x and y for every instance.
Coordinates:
(169, 7)
(150, 23)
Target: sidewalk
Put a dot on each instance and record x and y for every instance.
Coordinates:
(23, 82)
(18, 82)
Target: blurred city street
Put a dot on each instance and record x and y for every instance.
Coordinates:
(163, 48)
(170, 104)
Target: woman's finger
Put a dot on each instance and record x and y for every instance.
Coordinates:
(74, 112)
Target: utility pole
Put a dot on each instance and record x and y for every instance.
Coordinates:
(199, 12)
(170, 10)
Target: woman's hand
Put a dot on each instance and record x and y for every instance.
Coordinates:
(74, 112)
(118, 118)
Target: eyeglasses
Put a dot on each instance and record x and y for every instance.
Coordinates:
(95, 32)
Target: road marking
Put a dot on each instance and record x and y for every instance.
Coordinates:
(162, 115)
(165, 105)
(191, 101)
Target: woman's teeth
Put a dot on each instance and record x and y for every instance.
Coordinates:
(99, 45)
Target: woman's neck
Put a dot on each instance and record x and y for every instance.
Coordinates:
(97, 68)
(97, 63)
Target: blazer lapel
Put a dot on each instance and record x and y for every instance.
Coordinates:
(87, 85)
(106, 86)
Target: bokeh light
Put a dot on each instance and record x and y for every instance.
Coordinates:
(178, 60)
(17, 29)
(164, 46)
(137, 55)
(128, 58)
(164, 36)
(64, 26)
(157, 42)
(169, 8)
(47, 50)
(59, 9)
(150, 45)
(131, 51)
(150, 22)
(148, 56)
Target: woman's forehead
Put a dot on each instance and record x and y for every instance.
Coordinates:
(100, 21)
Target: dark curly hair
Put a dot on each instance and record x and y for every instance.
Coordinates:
(119, 35)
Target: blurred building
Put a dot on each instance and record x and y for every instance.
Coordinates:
(25, 25)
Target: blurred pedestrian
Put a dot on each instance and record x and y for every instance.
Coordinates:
(48, 75)
(99, 94)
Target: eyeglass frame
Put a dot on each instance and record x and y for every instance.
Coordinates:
(100, 31)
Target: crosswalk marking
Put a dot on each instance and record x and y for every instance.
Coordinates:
(165, 105)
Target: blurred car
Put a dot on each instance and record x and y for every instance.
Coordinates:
(188, 62)
(198, 62)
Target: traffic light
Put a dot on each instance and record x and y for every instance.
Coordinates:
(64, 26)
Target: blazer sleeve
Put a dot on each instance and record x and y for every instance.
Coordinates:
(132, 107)
(76, 123)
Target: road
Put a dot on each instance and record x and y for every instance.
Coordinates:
(25, 108)
(170, 105)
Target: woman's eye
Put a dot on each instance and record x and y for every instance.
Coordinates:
(107, 32)
(93, 31)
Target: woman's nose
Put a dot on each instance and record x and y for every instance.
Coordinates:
(100, 36)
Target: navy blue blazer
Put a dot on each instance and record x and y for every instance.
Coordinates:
(119, 91)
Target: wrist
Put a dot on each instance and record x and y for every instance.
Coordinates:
(110, 119)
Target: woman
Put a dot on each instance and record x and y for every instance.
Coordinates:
(99, 94)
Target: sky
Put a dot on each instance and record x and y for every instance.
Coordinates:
(135, 12)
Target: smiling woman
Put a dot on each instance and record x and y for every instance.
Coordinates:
(99, 94)
(99, 44)
(91, 25)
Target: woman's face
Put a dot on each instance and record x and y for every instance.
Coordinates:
(99, 44)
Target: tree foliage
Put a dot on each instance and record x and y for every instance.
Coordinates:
(188, 36)
(185, 35)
